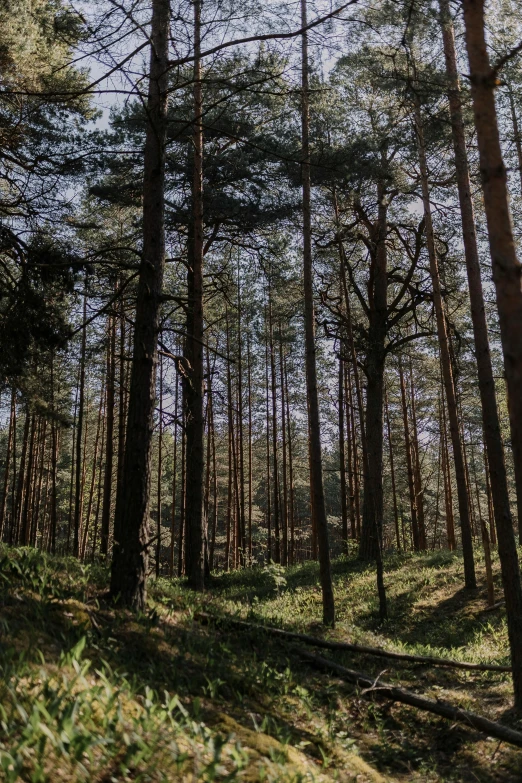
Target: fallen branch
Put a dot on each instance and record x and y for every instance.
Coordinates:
(356, 648)
(445, 710)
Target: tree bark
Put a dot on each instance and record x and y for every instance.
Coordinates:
(507, 277)
(275, 461)
(160, 471)
(507, 269)
(409, 463)
(342, 456)
(465, 525)
(79, 436)
(195, 425)
(130, 551)
(12, 420)
(419, 490)
(316, 474)
(174, 481)
(109, 438)
(284, 465)
(392, 470)
(371, 532)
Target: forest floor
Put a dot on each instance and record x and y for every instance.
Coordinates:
(91, 694)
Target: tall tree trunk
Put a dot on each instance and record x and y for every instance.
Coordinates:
(316, 474)
(448, 494)
(507, 276)
(284, 471)
(109, 437)
(419, 489)
(507, 269)
(409, 463)
(160, 471)
(342, 456)
(174, 480)
(275, 465)
(37, 479)
(130, 551)
(195, 426)
(250, 498)
(24, 516)
(291, 505)
(79, 436)
(268, 468)
(12, 521)
(392, 470)
(230, 414)
(181, 536)
(240, 445)
(122, 397)
(458, 457)
(12, 421)
(17, 515)
(350, 450)
(371, 532)
(355, 451)
(99, 491)
(93, 476)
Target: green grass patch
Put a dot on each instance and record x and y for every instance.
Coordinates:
(88, 693)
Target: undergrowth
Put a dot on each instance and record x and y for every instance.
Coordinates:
(88, 693)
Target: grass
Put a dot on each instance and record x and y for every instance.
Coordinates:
(91, 694)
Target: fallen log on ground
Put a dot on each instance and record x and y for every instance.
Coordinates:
(356, 648)
(393, 693)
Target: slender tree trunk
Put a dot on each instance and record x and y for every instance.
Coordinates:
(250, 499)
(195, 426)
(392, 469)
(448, 494)
(372, 523)
(316, 475)
(174, 481)
(465, 525)
(21, 477)
(268, 467)
(77, 521)
(507, 273)
(24, 516)
(99, 491)
(38, 479)
(12, 421)
(291, 508)
(342, 457)
(409, 463)
(275, 465)
(181, 553)
(494, 452)
(242, 525)
(130, 551)
(109, 438)
(208, 458)
(350, 450)
(230, 488)
(356, 472)
(12, 522)
(122, 398)
(419, 490)
(93, 477)
(160, 471)
(437, 496)
(284, 470)
(507, 277)
(491, 512)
